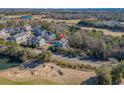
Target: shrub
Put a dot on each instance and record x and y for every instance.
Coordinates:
(66, 64)
(104, 76)
(45, 56)
(118, 73)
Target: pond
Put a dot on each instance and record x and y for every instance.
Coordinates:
(7, 62)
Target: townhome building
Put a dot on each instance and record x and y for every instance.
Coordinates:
(4, 35)
(22, 37)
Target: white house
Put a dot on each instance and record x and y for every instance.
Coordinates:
(27, 27)
(41, 41)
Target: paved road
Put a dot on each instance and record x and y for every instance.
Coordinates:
(90, 62)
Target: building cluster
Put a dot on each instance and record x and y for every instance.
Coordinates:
(31, 36)
(2, 17)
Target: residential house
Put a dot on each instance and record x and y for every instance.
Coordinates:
(58, 44)
(37, 31)
(4, 35)
(62, 43)
(36, 41)
(50, 36)
(22, 37)
(2, 18)
(26, 17)
(41, 42)
(27, 27)
(16, 30)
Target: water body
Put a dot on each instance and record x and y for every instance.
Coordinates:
(7, 62)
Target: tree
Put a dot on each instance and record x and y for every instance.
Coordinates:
(118, 73)
(1, 26)
(26, 54)
(44, 24)
(104, 76)
(10, 24)
(22, 24)
(45, 56)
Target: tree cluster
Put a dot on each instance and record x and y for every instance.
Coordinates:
(113, 25)
(96, 45)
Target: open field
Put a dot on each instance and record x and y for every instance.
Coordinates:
(4, 81)
(105, 31)
(47, 73)
(69, 22)
(40, 17)
(14, 16)
(17, 16)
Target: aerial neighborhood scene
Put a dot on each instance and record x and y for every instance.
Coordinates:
(62, 46)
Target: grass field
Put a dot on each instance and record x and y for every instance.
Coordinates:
(105, 31)
(69, 22)
(39, 17)
(4, 81)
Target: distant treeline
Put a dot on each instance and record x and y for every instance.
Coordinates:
(86, 14)
(66, 14)
(113, 25)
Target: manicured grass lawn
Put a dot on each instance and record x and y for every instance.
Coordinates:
(4, 81)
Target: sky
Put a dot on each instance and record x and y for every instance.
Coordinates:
(61, 3)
